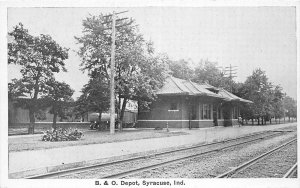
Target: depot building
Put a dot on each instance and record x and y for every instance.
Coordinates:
(186, 104)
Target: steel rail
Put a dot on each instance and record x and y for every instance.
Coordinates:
(291, 171)
(149, 167)
(89, 167)
(252, 161)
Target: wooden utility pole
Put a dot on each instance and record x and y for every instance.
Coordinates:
(231, 74)
(112, 76)
(112, 65)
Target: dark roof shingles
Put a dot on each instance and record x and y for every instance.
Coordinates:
(176, 86)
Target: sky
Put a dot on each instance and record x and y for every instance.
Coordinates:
(246, 37)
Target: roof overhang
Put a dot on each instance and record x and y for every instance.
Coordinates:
(238, 100)
(193, 94)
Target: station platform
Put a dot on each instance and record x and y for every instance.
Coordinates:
(25, 163)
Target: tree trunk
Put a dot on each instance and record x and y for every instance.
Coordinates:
(252, 121)
(54, 116)
(122, 113)
(266, 120)
(32, 122)
(258, 122)
(100, 116)
(100, 123)
(270, 121)
(54, 120)
(32, 108)
(119, 108)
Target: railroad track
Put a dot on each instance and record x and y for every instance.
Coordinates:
(291, 172)
(241, 140)
(253, 161)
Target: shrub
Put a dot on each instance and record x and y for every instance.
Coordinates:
(61, 134)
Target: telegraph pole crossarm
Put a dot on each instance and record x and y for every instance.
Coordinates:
(111, 21)
(119, 26)
(116, 13)
(230, 72)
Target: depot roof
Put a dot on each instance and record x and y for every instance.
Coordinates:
(231, 96)
(176, 86)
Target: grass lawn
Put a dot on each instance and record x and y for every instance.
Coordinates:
(90, 137)
(23, 131)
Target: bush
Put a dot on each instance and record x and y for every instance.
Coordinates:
(61, 134)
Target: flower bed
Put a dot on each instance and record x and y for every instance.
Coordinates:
(61, 134)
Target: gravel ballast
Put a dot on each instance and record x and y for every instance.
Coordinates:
(209, 166)
(273, 166)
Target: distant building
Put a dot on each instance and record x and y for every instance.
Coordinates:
(18, 115)
(184, 104)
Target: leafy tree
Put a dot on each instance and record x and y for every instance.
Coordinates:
(208, 72)
(96, 95)
(58, 95)
(276, 103)
(180, 69)
(241, 90)
(16, 89)
(81, 107)
(278, 110)
(67, 111)
(290, 105)
(16, 93)
(258, 89)
(138, 72)
(39, 57)
(268, 99)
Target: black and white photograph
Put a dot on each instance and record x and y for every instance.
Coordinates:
(152, 94)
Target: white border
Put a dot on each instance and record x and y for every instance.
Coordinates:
(224, 183)
(144, 3)
(180, 120)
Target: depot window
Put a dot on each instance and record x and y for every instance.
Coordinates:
(219, 113)
(207, 111)
(173, 106)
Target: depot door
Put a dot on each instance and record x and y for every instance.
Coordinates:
(215, 114)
